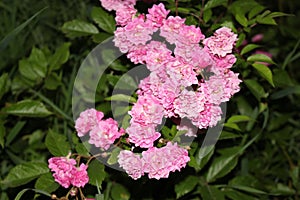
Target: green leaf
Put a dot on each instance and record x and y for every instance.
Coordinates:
(232, 126)
(281, 189)
(203, 155)
(104, 20)
(2, 134)
(100, 37)
(4, 84)
(22, 192)
(285, 92)
(207, 14)
(186, 186)
(60, 56)
(221, 166)
(209, 192)
(266, 20)
(282, 78)
(9, 37)
(214, 3)
(113, 159)
(265, 72)
(27, 71)
(260, 58)
(249, 48)
(53, 81)
(14, 132)
(256, 89)
(241, 19)
(228, 135)
(238, 118)
(28, 108)
(121, 97)
(255, 11)
(247, 184)
(119, 192)
(39, 62)
(79, 28)
(57, 144)
(96, 173)
(236, 195)
(24, 173)
(46, 183)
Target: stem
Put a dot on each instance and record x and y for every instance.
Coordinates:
(201, 12)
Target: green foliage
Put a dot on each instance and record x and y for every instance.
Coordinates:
(44, 43)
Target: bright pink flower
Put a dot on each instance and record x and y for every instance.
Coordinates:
(157, 14)
(225, 62)
(143, 136)
(189, 104)
(171, 28)
(222, 42)
(138, 54)
(105, 133)
(124, 15)
(80, 176)
(87, 120)
(116, 4)
(131, 163)
(65, 172)
(146, 111)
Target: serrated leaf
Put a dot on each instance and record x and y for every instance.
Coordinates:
(24, 173)
(53, 81)
(121, 97)
(119, 192)
(260, 58)
(113, 159)
(214, 3)
(256, 89)
(249, 48)
(265, 72)
(104, 20)
(27, 108)
(79, 28)
(60, 56)
(221, 166)
(186, 186)
(46, 183)
(57, 144)
(96, 173)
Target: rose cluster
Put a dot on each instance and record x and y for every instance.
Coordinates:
(66, 173)
(188, 83)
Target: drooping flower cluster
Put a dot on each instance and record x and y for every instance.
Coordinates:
(66, 173)
(102, 133)
(188, 83)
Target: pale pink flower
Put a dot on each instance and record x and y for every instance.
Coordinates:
(116, 4)
(157, 14)
(121, 41)
(225, 62)
(171, 28)
(124, 15)
(177, 155)
(146, 111)
(105, 133)
(189, 104)
(87, 120)
(216, 89)
(143, 136)
(138, 54)
(222, 42)
(131, 163)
